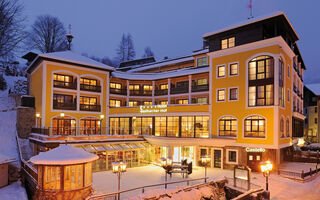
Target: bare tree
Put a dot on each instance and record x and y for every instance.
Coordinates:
(126, 50)
(148, 53)
(11, 26)
(48, 34)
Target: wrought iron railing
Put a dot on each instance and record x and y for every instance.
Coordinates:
(63, 84)
(71, 131)
(64, 106)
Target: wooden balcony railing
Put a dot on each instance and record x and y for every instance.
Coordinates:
(67, 85)
(87, 107)
(93, 88)
(64, 106)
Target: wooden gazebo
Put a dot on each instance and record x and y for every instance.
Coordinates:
(64, 173)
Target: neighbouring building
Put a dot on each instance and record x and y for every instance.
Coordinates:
(239, 99)
(311, 111)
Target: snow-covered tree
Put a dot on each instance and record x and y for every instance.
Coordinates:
(126, 49)
(48, 34)
(131, 53)
(20, 87)
(147, 53)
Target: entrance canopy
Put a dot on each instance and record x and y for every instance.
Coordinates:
(109, 147)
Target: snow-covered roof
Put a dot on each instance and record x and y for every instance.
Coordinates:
(251, 21)
(315, 88)
(63, 155)
(159, 75)
(5, 159)
(69, 56)
(162, 63)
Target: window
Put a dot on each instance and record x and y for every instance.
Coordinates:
(52, 177)
(202, 81)
(315, 109)
(202, 100)
(204, 152)
(281, 127)
(163, 102)
(147, 89)
(232, 156)
(88, 174)
(172, 126)
(201, 62)
(202, 126)
(254, 126)
(90, 126)
(233, 94)
(64, 81)
(87, 81)
(115, 103)
(316, 120)
(228, 126)
(221, 71)
(163, 86)
(142, 125)
(115, 85)
(187, 126)
(233, 69)
(261, 81)
(133, 103)
(227, 43)
(183, 101)
(288, 127)
(88, 100)
(160, 126)
(124, 126)
(281, 83)
(288, 95)
(147, 103)
(288, 71)
(221, 95)
(73, 177)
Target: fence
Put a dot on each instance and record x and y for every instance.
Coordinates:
(113, 195)
(241, 184)
(299, 176)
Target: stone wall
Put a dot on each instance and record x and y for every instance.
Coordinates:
(25, 121)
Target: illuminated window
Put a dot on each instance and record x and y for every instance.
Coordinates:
(221, 71)
(90, 126)
(87, 81)
(288, 127)
(142, 125)
(160, 126)
(227, 43)
(147, 103)
(73, 177)
(261, 68)
(52, 177)
(187, 126)
(173, 126)
(163, 102)
(281, 127)
(88, 174)
(115, 85)
(147, 87)
(233, 69)
(88, 100)
(134, 87)
(60, 80)
(254, 126)
(202, 81)
(201, 62)
(202, 100)
(228, 126)
(261, 95)
(202, 126)
(221, 95)
(183, 101)
(115, 103)
(133, 103)
(163, 86)
(233, 94)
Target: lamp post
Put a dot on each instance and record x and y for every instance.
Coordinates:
(266, 168)
(166, 163)
(205, 160)
(119, 168)
(38, 122)
(101, 119)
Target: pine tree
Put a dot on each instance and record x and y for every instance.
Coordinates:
(3, 83)
(147, 53)
(131, 53)
(126, 49)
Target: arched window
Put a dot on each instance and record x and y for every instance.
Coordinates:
(228, 126)
(281, 83)
(254, 126)
(261, 79)
(288, 127)
(90, 126)
(282, 127)
(63, 126)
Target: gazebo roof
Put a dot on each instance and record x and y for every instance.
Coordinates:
(63, 155)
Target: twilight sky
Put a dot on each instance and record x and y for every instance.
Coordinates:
(173, 27)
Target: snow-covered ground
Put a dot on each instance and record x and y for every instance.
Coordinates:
(280, 188)
(5, 101)
(298, 166)
(13, 192)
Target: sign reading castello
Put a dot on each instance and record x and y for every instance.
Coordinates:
(248, 149)
(154, 109)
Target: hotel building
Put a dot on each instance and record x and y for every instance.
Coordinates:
(239, 100)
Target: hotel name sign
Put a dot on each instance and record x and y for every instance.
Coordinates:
(248, 149)
(154, 109)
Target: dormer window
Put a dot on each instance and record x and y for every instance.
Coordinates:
(202, 61)
(228, 42)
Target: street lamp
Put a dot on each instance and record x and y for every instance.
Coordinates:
(118, 168)
(205, 160)
(266, 168)
(166, 163)
(38, 122)
(101, 119)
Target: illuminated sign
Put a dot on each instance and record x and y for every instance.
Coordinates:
(154, 109)
(248, 149)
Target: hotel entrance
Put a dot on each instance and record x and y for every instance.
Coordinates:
(254, 158)
(181, 153)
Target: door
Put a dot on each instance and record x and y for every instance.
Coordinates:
(217, 154)
(254, 158)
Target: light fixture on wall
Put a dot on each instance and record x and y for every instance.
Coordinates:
(61, 114)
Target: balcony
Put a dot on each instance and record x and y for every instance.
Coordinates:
(200, 88)
(140, 92)
(70, 131)
(161, 92)
(92, 88)
(118, 91)
(179, 90)
(64, 105)
(66, 85)
(87, 107)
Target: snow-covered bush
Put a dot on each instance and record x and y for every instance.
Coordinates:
(20, 87)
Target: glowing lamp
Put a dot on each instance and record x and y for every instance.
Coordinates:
(123, 166)
(169, 161)
(301, 142)
(115, 167)
(266, 167)
(38, 115)
(61, 114)
(205, 159)
(163, 162)
(101, 116)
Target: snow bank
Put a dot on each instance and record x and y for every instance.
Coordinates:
(15, 191)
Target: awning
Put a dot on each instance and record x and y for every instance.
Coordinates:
(110, 147)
